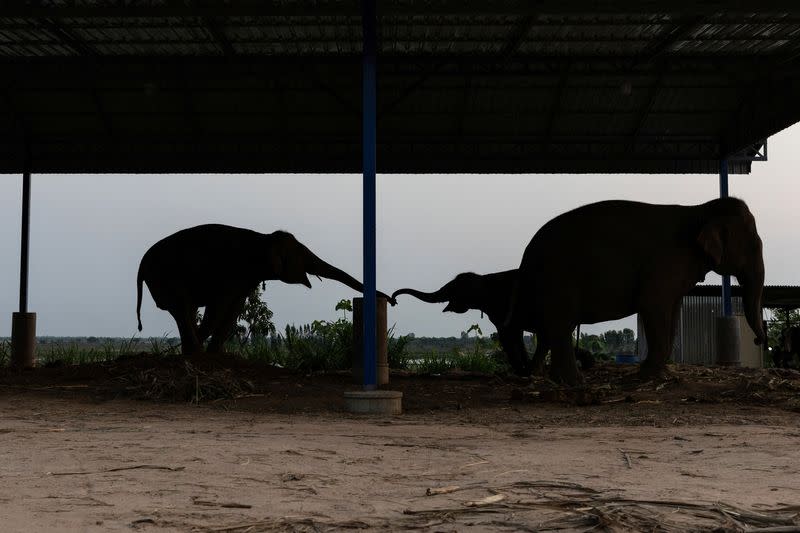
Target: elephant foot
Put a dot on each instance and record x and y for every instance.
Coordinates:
(538, 370)
(192, 350)
(566, 376)
(521, 370)
(585, 358)
(653, 371)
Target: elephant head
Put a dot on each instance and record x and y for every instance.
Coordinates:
(729, 239)
(466, 291)
(291, 262)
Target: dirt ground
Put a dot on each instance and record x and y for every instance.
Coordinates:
(126, 446)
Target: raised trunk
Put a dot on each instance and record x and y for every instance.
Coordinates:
(317, 267)
(427, 297)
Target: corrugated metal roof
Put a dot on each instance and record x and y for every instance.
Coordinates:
(596, 35)
(774, 297)
(463, 86)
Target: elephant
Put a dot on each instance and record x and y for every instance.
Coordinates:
(491, 294)
(640, 258)
(218, 266)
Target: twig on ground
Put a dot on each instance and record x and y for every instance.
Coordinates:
(119, 469)
(626, 457)
(227, 505)
(280, 524)
(442, 490)
(489, 500)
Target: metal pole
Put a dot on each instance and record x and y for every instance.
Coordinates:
(369, 23)
(727, 309)
(25, 237)
(23, 323)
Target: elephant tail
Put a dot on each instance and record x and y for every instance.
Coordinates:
(139, 281)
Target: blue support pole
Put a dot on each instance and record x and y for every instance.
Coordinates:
(25, 237)
(369, 132)
(727, 309)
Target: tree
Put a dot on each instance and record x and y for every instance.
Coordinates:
(593, 343)
(619, 341)
(781, 320)
(255, 320)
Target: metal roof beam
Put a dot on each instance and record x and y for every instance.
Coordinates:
(661, 46)
(86, 51)
(507, 49)
(211, 25)
(219, 36)
(511, 46)
(476, 63)
(331, 91)
(436, 21)
(770, 105)
(68, 38)
(464, 110)
(555, 106)
(650, 101)
(276, 136)
(195, 129)
(409, 90)
(351, 8)
(18, 123)
(518, 35)
(101, 111)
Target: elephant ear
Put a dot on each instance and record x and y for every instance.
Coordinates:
(276, 263)
(710, 240)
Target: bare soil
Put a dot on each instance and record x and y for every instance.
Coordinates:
(220, 444)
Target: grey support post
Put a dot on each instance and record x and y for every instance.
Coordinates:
(23, 323)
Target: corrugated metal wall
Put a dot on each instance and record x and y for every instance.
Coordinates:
(695, 339)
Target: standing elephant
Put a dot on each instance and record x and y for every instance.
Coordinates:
(490, 294)
(218, 266)
(640, 258)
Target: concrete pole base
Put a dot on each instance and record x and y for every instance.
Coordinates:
(729, 344)
(382, 348)
(23, 340)
(379, 402)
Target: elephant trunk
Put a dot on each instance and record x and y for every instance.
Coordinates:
(427, 297)
(752, 294)
(317, 267)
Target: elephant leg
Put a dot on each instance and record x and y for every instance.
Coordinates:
(539, 355)
(585, 357)
(228, 315)
(659, 327)
(187, 328)
(513, 344)
(211, 318)
(562, 359)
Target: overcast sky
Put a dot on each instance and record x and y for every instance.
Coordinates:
(88, 233)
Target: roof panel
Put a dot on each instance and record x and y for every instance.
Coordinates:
(463, 86)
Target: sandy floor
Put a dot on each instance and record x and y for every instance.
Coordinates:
(72, 464)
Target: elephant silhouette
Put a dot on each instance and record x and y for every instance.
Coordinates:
(217, 266)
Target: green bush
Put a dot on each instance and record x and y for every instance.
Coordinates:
(320, 346)
(432, 363)
(397, 350)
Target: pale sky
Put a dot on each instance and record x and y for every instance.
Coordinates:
(88, 233)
